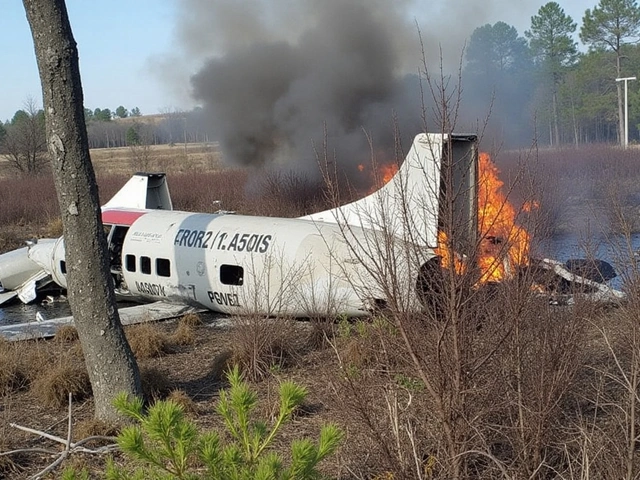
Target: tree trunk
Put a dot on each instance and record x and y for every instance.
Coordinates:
(110, 362)
(556, 129)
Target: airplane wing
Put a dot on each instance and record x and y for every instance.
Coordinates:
(128, 316)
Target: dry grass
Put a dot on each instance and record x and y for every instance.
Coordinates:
(53, 386)
(155, 383)
(261, 345)
(147, 341)
(20, 366)
(182, 398)
(92, 427)
(165, 158)
(184, 334)
(66, 334)
(13, 374)
(191, 320)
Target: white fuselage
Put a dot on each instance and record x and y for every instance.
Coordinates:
(234, 264)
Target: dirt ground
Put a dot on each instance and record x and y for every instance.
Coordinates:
(196, 370)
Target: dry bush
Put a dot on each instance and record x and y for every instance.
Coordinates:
(192, 320)
(66, 334)
(261, 344)
(209, 191)
(155, 383)
(92, 427)
(109, 184)
(54, 228)
(288, 194)
(180, 397)
(8, 464)
(13, 373)
(147, 341)
(184, 334)
(53, 385)
(10, 240)
(37, 202)
(220, 365)
(581, 183)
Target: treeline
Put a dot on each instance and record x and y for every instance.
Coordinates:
(122, 128)
(548, 85)
(23, 142)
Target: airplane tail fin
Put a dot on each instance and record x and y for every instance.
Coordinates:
(144, 191)
(409, 205)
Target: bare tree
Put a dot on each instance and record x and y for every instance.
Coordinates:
(110, 362)
(139, 138)
(24, 142)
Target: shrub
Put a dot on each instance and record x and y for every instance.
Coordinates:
(191, 320)
(184, 334)
(13, 374)
(155, 384)
(147, 341)
(261, 344)
(53, 386)
(170, 446)
(66, 334)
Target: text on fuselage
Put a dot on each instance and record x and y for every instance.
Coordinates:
(236, 242)
(151, 289)
(222, 298)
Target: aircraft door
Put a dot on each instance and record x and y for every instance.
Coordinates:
(115, 240)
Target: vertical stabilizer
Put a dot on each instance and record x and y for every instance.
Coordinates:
(144, 191)
(408, 206)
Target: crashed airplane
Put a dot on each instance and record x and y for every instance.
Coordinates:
(327, 263)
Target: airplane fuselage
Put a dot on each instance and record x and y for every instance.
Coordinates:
(230, 263)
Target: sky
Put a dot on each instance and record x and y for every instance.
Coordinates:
(136, 53)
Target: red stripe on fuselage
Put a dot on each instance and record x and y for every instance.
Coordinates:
(121, 217)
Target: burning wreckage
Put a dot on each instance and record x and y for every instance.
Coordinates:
(320, 263)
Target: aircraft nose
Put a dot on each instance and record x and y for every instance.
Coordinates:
(42, 253)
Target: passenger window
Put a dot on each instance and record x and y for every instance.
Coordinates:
(163, 267)
(145, 265)
(130, 263)
(231, 275)
(63, 267)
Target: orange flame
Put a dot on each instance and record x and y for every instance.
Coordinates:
(386, 172)
(381, 176)
(446, 253)
(530, 205)
(504, 244)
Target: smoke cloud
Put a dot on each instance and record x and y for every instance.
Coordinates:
(281, 76)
